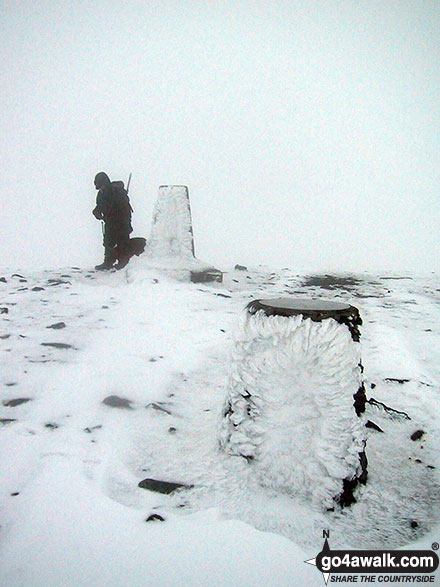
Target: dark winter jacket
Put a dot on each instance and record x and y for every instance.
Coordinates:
(113, 206)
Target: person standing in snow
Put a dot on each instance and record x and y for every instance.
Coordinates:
(113, 207)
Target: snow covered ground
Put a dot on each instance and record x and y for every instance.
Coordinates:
(159, 350)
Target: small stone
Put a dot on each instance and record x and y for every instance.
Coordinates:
(52, 425)
(15, 494)
(4, 311)
(172, 430)
(12, 403)
(105, 307)
(165, 487)
(90, 430)
(414, 524)
(58, 282)
(114, 401)
(418, 461)
(5, 421)
(240, 268)
(57, 325)
(57, 345)
(38, 288)
(3, 280)
(159, 407)
(11, 384)
(417, 435)
(155, 518)
(4, 336)
(18, 275)
(430, 466)
(373, 385)
(373, 426)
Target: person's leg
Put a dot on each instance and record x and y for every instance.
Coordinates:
(109, 250)
(123, 252)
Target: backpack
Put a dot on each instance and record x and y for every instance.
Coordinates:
(120, 205)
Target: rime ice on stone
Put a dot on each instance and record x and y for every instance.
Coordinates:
(171, 231)
(171, 240)
(296, 401)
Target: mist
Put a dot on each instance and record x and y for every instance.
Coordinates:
(307, 132)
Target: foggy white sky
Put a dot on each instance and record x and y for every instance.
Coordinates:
(307, 131)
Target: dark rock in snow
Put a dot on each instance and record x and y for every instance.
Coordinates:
(395, 380)
(240, 268)
(206, 276)
(114, 401)
(155, 518)
(4, 311)
(5, 421)
(18, 275)
(172, 430)
(58, 282)
(11, 383)
(414, 524)
(159, 407)
(38, 288)
(15, 494)
(4, 336)
(52, 425)
(57, 345)
(165, 487)
(3, 280)
(90, 429)
(417, 435)
(393, 414)
(373, 426)
(12, 403)
(220, 295)
(57, 325)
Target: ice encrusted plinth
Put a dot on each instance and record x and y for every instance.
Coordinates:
(171, 230)
(170, 247)
(289, 408)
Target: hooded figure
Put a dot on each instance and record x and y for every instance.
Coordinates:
(113, 207)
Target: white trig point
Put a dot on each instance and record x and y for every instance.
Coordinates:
(171, 241)
(171, 230)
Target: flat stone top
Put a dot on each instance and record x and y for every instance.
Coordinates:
(316, 310)
(299, 305)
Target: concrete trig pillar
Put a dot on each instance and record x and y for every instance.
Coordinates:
(296, 401)
(171, 230)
